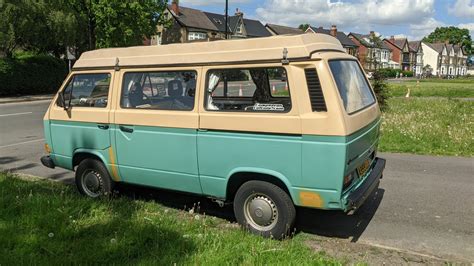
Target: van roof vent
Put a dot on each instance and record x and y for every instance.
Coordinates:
(316, 95)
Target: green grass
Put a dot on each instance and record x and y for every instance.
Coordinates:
(462, 88)
(42, 222)
(434, 126)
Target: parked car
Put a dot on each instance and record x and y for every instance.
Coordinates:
(203, 118)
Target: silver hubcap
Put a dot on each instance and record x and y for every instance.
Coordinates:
(91, 183)
(260, 212)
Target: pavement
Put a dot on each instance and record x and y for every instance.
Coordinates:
(424, 204)
(26, 98)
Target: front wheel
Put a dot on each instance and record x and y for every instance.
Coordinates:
(265, 209)
(93, 179)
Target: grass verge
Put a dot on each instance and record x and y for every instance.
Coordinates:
(428, 126)
(42, 222)
(434, 88)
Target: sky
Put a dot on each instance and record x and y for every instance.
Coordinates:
(413, 19)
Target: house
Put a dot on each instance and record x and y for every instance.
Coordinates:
(432, 57)
(401, 52)
(417, 48)
(239, 27)
(189, 25)
(347, 43)
(282, 30)
(372, 52)
(445, 59)
(461, 61)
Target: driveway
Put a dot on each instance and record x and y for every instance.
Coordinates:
(424, 204)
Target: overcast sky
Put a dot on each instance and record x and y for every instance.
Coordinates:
(411, 18)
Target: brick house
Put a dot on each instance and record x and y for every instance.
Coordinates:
(347, 43)
(372, 55)
(401, 52)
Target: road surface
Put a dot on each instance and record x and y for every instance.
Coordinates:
(425, 204)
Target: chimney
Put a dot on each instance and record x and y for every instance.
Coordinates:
(238, 12)
(372, 33)
(175, 7)
(392, 38)
(333, 31)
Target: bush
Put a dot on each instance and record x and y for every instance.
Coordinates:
(31, 74)
(392, 73)
(380, 88)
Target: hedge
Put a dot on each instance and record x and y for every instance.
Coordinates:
(392, 73)
(31, 74)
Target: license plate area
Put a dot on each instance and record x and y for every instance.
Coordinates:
(362, 170)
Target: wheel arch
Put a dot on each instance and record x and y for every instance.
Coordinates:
(241, 175)
(82, 154)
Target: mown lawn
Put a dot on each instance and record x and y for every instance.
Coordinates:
(437, 126)
(453, 88)
(42, 222)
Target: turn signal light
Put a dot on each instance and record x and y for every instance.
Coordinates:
(46, 148)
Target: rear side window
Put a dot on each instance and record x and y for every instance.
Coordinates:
(248, 90)
(87, 90)
(164, 90)
(352, 85)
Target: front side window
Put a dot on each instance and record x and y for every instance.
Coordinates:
(352, 85)
(248, 90)
(87, 90)
(164, 90)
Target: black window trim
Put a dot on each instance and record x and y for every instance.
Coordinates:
(157, 109)
(73, 75)
(365, 78)
(237, 111)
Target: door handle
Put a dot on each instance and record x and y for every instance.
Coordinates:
(126, 129)
(101, 126)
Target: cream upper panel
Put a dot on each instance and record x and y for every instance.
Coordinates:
(211, 53)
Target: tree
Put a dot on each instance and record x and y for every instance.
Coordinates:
(453, 35)
(304, 27)
(52, 26)
(114, 23)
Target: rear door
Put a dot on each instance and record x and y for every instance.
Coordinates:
(85, 125)
(156, 121)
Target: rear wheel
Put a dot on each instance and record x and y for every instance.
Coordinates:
(265, 209)
(93, 179)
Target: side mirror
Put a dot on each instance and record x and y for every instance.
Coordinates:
(62, 101)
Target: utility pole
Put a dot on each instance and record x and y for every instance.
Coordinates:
(226, 16)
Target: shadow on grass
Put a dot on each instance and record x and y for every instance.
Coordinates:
(44, 223)
(319, 222)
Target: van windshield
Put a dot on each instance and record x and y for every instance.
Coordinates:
(352, 85)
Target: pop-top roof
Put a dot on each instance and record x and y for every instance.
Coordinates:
(200, 53)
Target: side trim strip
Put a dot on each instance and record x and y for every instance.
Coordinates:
(115, 175)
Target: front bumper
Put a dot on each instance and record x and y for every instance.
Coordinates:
(371, 183)
(47, 161)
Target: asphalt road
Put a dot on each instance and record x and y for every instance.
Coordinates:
(425, 204)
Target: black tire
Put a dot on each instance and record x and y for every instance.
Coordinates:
(93, 179)
(259, 193)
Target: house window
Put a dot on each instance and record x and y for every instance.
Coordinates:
(239, 29)
(193, 36)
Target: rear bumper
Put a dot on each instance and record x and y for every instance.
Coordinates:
(47, 161)
(371, 183)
